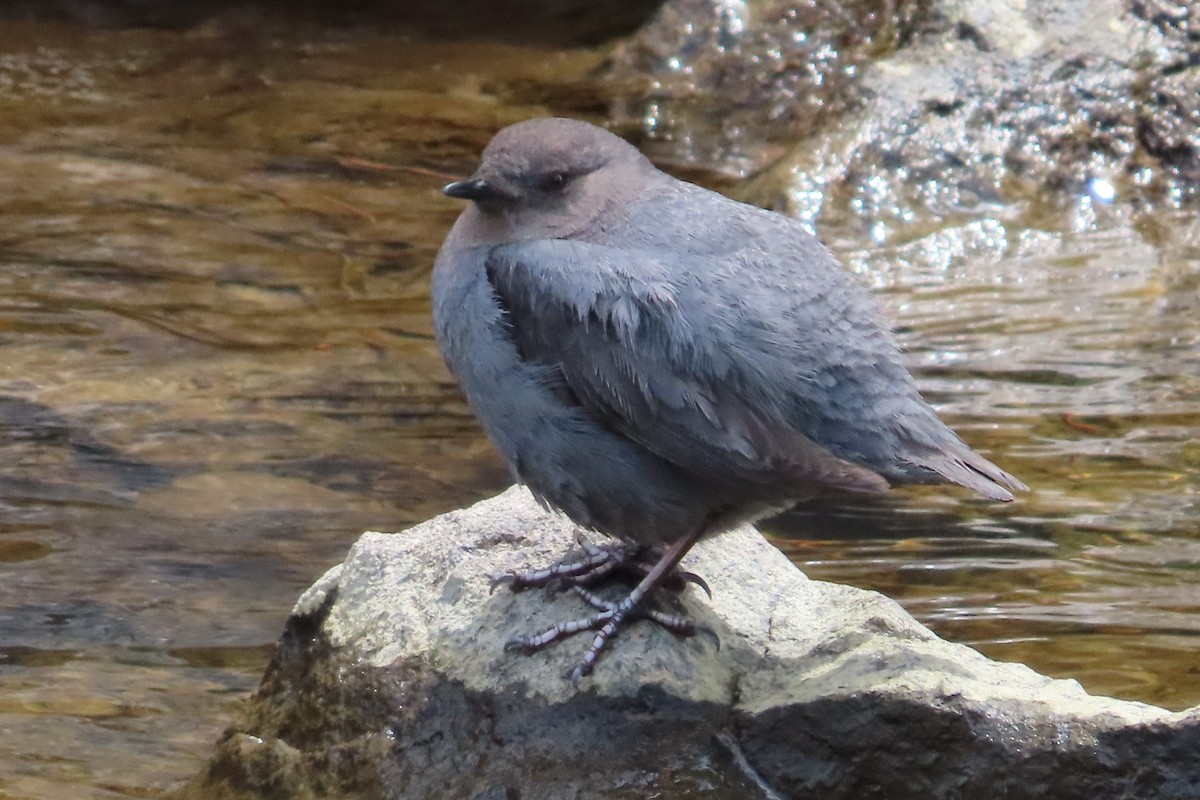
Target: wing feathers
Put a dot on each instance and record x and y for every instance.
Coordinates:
(748, 398)
(617, 345)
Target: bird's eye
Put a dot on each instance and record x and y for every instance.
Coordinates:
(554, 182)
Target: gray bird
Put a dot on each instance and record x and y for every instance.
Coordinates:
(662, 363)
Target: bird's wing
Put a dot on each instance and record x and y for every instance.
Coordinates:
(636, 347)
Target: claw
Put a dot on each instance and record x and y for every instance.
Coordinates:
(707, 630)
(695, 580)
(496, 580)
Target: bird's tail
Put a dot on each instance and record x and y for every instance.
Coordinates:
(962, 465)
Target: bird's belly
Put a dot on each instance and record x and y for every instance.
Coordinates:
(597, 477)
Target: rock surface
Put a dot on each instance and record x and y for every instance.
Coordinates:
(391, 680)
(901, 115)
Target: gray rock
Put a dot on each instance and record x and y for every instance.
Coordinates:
(392, 681)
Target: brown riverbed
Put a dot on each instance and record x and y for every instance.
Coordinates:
(216, 370)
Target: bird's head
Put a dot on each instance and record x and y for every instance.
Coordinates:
(549, 172)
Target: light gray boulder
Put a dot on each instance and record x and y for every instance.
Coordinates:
(392, 681)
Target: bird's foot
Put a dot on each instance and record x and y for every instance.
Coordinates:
(600, 562)
(612, 617)
(597, 563)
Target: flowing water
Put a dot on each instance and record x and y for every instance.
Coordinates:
(216, 370)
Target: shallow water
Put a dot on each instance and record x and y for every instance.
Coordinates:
(216, 370)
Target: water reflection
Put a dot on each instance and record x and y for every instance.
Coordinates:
(216, 370)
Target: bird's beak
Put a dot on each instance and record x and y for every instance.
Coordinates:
(470, 189)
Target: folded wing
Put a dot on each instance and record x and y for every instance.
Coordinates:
(626, 353)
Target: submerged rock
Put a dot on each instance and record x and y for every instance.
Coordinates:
(391, 680)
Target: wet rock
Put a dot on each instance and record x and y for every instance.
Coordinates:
(391, 681)
(732, 84)
(1057, 113)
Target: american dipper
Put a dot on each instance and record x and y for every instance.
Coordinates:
(662, 363)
